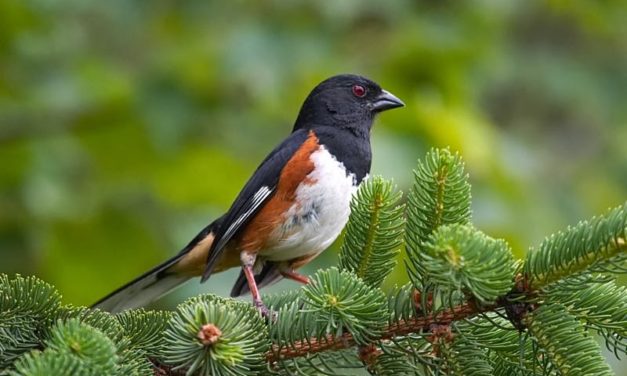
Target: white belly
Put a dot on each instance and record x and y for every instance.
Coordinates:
(320, 214)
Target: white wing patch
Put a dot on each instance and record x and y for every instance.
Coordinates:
(260, 196)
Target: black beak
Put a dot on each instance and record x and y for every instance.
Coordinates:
(386, 101)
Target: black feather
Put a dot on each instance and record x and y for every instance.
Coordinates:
(152, 284)
(266, 175)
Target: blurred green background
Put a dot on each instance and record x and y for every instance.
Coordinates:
(125, 127)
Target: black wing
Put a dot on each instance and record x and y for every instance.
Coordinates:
(253, 196)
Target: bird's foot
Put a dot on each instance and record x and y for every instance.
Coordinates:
(270, 315)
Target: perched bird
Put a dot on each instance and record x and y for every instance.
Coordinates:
(293, 207)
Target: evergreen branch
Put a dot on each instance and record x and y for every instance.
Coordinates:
(401, 303)
(601, 305)
(466, 358)
(571, 349)
(329, 363)
(450, 318)
(338, 301)
(491, 332)
(402, 356)
(459, 258)
(25, 306)
(73, 347)
(209, 335)
(133, 362)
(28, 296)
(374, 232)
(48, 363)
(510, 351)
(597, 244)
(440, 196)
(101, 320)
(400, 328)
(144, 329)
(504, 366)
(274, 302)
(91, 346)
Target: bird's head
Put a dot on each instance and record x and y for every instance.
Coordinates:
(345, 101)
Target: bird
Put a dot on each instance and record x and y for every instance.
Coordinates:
(292, 208)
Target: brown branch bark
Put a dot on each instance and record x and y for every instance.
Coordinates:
(398, 329)
(346, 340)
(160, 369)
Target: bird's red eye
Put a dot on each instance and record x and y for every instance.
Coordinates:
(359, 91)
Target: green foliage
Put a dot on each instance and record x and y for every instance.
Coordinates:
(466, 358)
(595, 245)
(144, 329)
(49, 363)
(469, 308)
(75, 348)
(27, 297)
(276, 301)
(602, 305)
(335, 363)
(399, 358)
(208, 335)
(401, 303)
(24, 304)
(374, 232)
(571, 349)
(291, 325)
(91, 346)
(460, 258)
(507, 367)
(440, 196)
(338, 301)
(134, 362)
(96, 318)
(74, 339)
(509, 351)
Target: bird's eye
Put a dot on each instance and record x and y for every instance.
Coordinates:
(359, 91)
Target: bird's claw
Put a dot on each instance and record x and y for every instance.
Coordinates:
(268, 314)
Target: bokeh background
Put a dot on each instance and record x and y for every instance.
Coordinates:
(125, 127)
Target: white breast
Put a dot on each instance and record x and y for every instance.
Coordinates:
(320, 214)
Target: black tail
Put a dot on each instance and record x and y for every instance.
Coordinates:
(152, 284)
(144, 289)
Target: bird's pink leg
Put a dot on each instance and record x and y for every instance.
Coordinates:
(248, 261)
(291, 274)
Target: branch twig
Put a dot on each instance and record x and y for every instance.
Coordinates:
(400, 328)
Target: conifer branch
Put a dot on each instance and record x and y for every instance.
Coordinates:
(449, 319)
(572, 350)
(374, 232)
(440, 196)
(399, 328)
(595, 245)
(615, 247)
